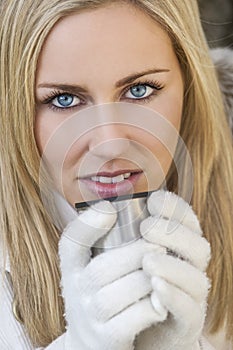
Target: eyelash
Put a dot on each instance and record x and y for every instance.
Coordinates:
(155, 85)
(56, 93)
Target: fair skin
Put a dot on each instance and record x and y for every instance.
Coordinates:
(87, 61)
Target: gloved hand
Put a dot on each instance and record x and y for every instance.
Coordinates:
(107, 298)
(178, 278)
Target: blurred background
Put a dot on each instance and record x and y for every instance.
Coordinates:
(217, 21)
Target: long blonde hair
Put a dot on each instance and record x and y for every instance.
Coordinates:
(30, 237)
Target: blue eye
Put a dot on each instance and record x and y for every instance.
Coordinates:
(66, 101)
(139, 91)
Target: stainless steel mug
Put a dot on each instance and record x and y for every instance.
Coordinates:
(131, 210)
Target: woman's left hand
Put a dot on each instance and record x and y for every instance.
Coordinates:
(178, 278)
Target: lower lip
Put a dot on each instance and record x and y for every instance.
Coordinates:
(102, 190)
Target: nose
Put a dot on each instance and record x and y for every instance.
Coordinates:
(109, 141)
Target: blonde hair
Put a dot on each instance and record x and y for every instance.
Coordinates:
(30, 237)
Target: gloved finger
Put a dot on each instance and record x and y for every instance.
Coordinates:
(171, 206)
(178, 273)
(134, 320)
(117, 296)
(180, 240)
(81, 234)
(158, 307)
(113, 264)
(188, 314)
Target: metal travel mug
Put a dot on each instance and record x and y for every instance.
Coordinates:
(131, 210)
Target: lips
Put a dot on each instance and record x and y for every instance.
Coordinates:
(105, 184)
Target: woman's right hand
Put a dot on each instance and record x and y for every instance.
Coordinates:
(107, 300)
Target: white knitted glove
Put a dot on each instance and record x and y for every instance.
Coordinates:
(178, 279)
(107, 298)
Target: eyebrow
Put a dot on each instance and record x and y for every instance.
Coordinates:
(75, 89)
(135, 76)
(127, 80)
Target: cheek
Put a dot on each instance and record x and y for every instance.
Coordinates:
(49, 144)
(164, 137)
(44, 128)
(52, 137)
(39, 135)
(161, 149)
(60, 153)
(170, 106)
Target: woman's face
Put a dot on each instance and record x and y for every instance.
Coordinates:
(112, 54)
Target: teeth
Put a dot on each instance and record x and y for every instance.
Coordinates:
(126, 175)
(95, 178)
(117, 179)
(105, 179)
(109, 180)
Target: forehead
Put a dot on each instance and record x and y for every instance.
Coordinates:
(104, 40)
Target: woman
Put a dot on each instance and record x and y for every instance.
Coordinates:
(57, 58)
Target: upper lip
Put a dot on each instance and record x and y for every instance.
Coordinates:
(111, 174)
